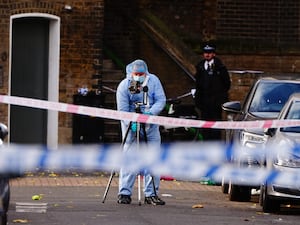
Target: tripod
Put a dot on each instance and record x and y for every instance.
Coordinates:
(139, 127)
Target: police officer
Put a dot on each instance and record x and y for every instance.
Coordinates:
(212, 86)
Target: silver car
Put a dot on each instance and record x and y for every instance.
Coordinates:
(264, 101)
(282, 141)
(4, 182)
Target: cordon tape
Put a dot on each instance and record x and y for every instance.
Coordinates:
(142, 118)
(190, 161)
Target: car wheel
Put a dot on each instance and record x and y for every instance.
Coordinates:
(6, 199)
(3, 219)
(239, 193)
(5, 193)
(268, 205)
(224, 186)
(262, 189)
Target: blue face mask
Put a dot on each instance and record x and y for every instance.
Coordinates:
(139, 78)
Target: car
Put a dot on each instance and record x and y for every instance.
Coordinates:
(4, 182)
(282, 139)
(264, 101)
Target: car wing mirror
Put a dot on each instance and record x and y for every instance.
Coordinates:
(270, 132)
(232, 107)
(3, 131)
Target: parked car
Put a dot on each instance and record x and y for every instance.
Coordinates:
(283, 139)
(4, 183)
(264, 101)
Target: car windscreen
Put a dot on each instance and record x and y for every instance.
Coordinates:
(271, 96)
(293, 114)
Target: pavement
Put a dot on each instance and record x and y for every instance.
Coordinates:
(76, 198)
(93, 180)
(99, 181)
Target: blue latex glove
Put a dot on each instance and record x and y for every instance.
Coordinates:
(147, 113)
(134, 126)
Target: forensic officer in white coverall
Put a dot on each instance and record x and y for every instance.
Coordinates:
(144, 88)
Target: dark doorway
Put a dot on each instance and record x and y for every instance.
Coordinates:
(29, 78)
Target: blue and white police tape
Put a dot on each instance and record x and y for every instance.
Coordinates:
(185, 161)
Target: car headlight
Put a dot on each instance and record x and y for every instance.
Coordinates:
(251, 139)
(287, 160)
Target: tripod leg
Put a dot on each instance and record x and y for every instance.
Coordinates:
(146, 141)
(126, 134)
(108, 185)
(139, 189)
(139, 175)
(113, 172)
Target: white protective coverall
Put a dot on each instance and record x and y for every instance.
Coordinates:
(126, 100)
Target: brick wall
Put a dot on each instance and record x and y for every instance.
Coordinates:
(183, 16)
(81, 49)
(81, 46)
(4, 40)
(238, 25)
(268, 63)
(251, 34)
(120, 33)
(261, 25)
(173, 79)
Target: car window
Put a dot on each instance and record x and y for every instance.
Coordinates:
(293, 114)
(271, 97)
(294, 111)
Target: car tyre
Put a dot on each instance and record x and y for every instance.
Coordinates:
(268, 205)
(5, 198)
(3, 219)
(239, 193)
(224, 186)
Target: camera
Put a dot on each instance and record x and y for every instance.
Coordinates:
(134, 87)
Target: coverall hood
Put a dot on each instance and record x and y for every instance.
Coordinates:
(136, 66)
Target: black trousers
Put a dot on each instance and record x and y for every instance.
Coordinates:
(211, 114)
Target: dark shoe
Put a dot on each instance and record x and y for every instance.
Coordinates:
(124, 199)
(154, 200)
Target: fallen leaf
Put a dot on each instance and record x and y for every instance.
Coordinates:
(36, 197)
(52, 175)
(262, 213)
(197, 206)
(20, 221)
